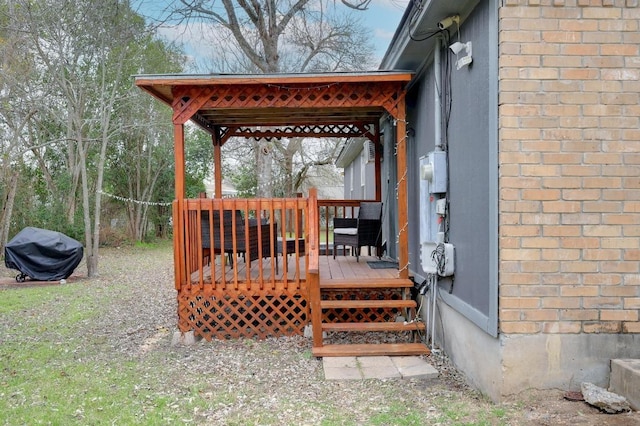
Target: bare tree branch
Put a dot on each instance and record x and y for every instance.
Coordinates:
(358, 5)
(292, 36)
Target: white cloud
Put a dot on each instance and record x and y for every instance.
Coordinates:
(383, 34)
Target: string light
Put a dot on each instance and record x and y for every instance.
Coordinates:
(130, 200)
(298, 89)
(403, 178)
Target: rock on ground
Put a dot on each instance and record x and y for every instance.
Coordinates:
(606, 401)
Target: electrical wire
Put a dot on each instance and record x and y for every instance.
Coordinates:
(439, 258)
(428, 36)
(448, 104)
(416, 321)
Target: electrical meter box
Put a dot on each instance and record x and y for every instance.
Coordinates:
(435, 172)
(436, 256)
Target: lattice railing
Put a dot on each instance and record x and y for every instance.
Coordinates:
(243, 243)
(241, 267)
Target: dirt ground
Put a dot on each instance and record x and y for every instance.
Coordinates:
(146, 330)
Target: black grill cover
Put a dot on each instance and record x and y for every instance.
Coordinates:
(43, 255)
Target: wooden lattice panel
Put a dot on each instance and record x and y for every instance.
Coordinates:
(235, 104)
(243, 315)
(362, 315)
(299, 96)
(318, 130)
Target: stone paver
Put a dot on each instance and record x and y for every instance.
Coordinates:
(377, 367)
(341, 368)
(340, 361)
(342, 373)
(414, 367)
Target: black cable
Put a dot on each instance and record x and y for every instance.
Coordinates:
(433, 34)
(439, 259)
(448, 104)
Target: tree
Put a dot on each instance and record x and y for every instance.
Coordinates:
(141, 154)
(83, 54)
(83, 46)
(270, 36)
(18, 106)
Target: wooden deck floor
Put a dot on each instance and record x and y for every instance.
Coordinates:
(343, 267)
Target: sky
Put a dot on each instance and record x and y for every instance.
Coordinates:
(382, 17)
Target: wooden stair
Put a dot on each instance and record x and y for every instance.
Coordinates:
(379, 349)
(355, 305)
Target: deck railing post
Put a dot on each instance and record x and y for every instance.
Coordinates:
(178, 244)
(313, 277)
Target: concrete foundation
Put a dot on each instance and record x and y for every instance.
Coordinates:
(472, 351)
(511, 364)
(562, 361)
(625, 380)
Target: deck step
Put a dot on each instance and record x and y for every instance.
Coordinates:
(388, 349)
(373, 326)
(363, 304)
(366, 283)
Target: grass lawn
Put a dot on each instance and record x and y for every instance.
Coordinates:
(99, 352)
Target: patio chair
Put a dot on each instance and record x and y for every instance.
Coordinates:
(363, 231)
(260, 243)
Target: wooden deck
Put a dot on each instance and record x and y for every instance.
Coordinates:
(340, 268)
(282, 288)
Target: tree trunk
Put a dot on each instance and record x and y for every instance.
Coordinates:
(7, 210)
(264, 167)
(91, 256)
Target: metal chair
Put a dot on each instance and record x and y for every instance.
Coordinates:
(363, 231)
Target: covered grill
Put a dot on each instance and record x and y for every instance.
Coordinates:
(42, 255)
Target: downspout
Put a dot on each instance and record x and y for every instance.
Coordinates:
(437, 96)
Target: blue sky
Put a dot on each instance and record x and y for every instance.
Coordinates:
(382, 18)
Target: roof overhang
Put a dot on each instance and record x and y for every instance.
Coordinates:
(280, 105)
(415, 38)
(350, 150)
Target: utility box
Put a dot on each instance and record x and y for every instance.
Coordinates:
(435, 172)
(438, 258)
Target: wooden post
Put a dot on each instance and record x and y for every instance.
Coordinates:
(378, 162)
(299, 218)
(217, 164)
(313, 269)
(178, 207)
(178, 137)
(403, 217)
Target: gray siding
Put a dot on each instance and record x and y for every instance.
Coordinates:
(356, 191)
(471, 145)
(470, 174)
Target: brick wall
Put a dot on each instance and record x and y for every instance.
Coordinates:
(569, 166)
